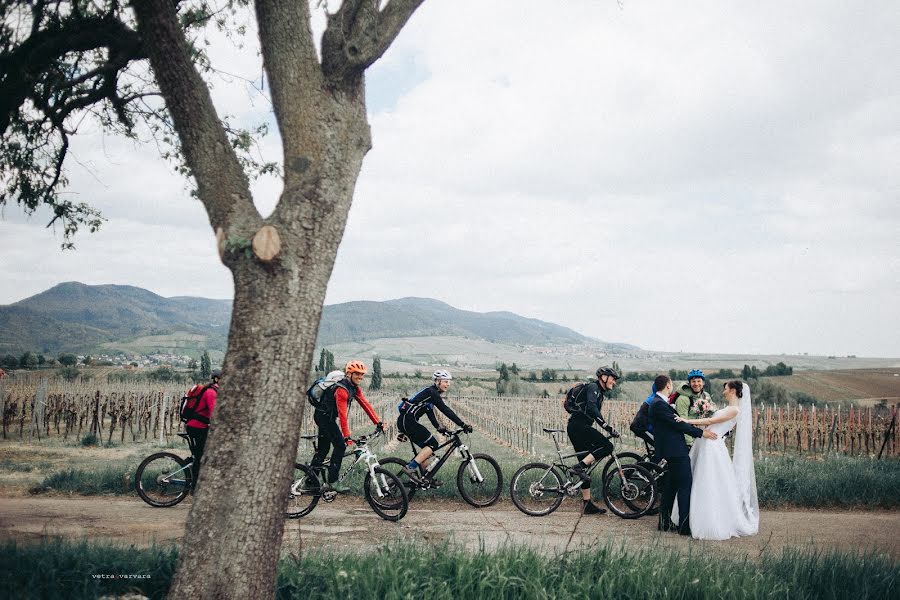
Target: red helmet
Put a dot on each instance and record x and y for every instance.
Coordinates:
(354, 366)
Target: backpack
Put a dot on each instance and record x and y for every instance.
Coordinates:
(573, 401)
(189, 403)
(316, 393)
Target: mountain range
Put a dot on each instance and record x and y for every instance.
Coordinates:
(75, 317)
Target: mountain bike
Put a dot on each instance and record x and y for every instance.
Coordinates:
(538, 489)
(479, 478)
(383, 490)
(165, 479)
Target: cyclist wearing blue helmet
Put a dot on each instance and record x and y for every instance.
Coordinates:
(688, 397)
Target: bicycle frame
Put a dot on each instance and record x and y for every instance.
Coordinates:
(451, 444)
(361, 453)
(573, 485)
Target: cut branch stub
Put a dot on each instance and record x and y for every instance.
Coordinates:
(266, 243)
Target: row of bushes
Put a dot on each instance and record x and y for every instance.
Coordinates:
(56, 569)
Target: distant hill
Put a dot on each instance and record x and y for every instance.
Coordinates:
(76, 317)
(415, 317)
(73, 316)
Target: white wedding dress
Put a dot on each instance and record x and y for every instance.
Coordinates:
(723, 494)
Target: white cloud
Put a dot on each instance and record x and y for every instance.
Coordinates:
(711, 177)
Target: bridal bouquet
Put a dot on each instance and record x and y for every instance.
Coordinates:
(705, 408)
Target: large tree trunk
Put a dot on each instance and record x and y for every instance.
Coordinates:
(235, 527)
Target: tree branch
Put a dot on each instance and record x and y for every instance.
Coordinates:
(290, 61)
(221, 182)
(23, 67)
(358, 34)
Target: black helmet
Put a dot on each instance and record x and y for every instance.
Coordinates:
(217, 374)
(609, 372)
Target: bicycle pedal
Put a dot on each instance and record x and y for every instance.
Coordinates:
(329, 496)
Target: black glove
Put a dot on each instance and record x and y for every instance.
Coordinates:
(612, 432)
(467, 428)
(379, 427)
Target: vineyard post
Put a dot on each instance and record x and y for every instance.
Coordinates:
(531, 431)
(94, 424)
(831, 434)
(889, 431)
(3, 406)
(162, 428)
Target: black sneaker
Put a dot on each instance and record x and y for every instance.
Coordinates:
(413, 475)
(580, 472)
(436, 483)
(592, 509)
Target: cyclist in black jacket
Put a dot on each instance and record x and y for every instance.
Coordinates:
(424, 403)
(587, 439)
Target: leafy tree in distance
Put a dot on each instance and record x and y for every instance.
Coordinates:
(68, 360)
(67, 62)
(376, 374)
(205, 366)
(513, 369)
(9, 362)
(504, 372)
(28, 361)
(87, 360)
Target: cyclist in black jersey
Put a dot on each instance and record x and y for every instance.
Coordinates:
(587, 439)
(424, 403)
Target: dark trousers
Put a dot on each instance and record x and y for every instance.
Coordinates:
(198, 443)
(329, 435)
(676, 483)
(585, 438)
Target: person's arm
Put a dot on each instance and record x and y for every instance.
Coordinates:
(668, 417)
(728, 413)
(341, 399)
(442, 406)
(373, 416)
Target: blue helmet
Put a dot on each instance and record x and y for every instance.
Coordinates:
(696, 373)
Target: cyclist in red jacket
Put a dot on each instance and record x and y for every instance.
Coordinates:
(198, 427)
(332, 410)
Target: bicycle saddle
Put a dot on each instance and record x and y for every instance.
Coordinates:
(309, 437)
(553, 430)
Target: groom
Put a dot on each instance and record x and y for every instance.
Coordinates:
(671, 445)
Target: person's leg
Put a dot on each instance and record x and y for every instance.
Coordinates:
(422, 438)
(323, 444)
(198, 439)
(669, 489)
(686, 481)
(333, 432)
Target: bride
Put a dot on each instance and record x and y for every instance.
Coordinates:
(723, 496)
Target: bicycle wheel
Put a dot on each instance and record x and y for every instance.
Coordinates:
(304, 493)
(163, 479)
(631, 493)
(657, 472)
(536, 489)
(625, 458)
(395, 465)
(386, 494)
(480, 480)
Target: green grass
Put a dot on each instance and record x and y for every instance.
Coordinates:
(114, 478)
(839, 481)
(58, 568)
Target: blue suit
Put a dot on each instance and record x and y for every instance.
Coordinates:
(670, 445)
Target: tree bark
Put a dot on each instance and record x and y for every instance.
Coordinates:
(234, 531)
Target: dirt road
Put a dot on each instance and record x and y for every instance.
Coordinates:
(349, 524)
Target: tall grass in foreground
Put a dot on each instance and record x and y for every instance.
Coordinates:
(67, 569)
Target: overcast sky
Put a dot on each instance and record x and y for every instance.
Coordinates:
(710, 176)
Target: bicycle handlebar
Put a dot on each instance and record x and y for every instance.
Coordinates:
(365, 439)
